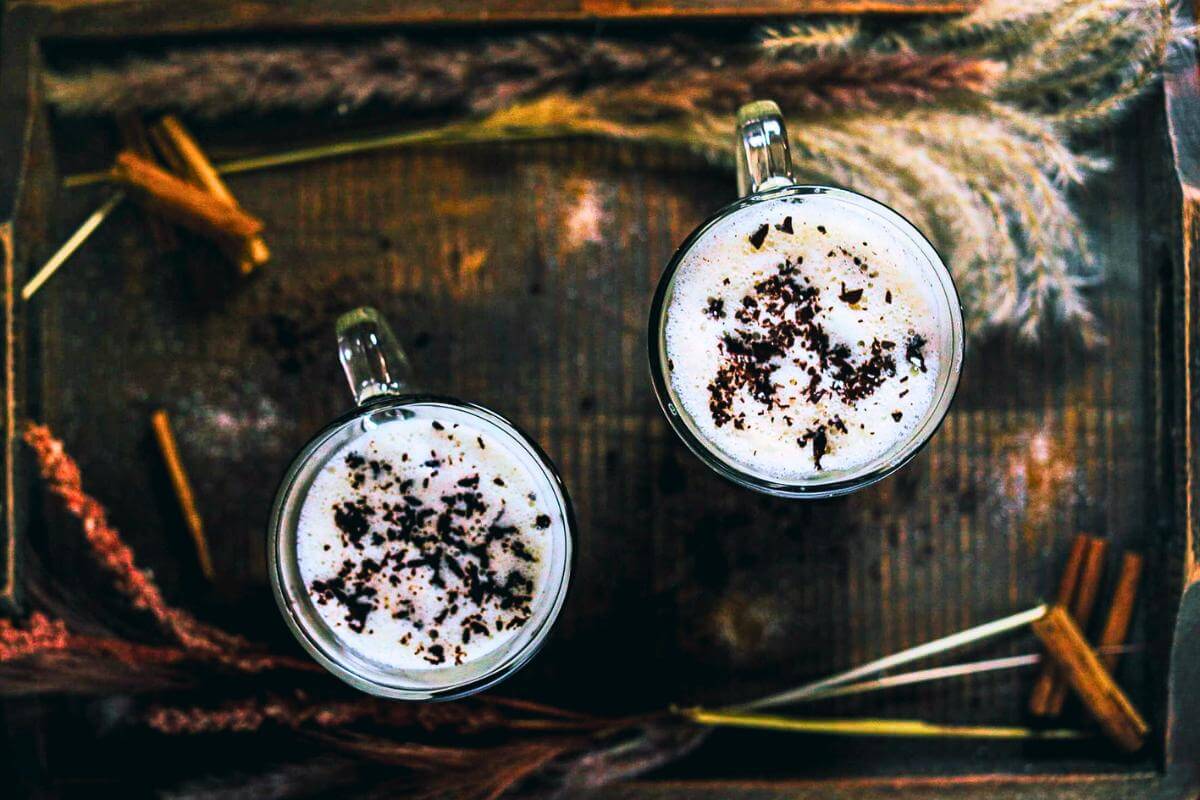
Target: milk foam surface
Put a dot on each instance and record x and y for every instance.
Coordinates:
(802, 339)
(423, 543)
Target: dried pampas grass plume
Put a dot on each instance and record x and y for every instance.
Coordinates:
(968, 125)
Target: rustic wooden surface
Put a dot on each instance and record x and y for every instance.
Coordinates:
(135, 18)
(1182, 751)
(519, 276)
(28, 183)
(992, 787)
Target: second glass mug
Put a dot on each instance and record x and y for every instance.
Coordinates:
(764, 174)
(379, 376)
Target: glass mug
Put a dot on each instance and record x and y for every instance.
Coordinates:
(379, 375)
(764, 175)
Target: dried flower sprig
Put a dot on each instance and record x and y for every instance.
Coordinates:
(831, 37)
(299, 711)
(63, 479)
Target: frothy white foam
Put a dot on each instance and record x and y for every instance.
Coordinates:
(753, 370)
(423, 542)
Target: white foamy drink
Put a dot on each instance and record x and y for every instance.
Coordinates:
(801, 339)
(423, 542)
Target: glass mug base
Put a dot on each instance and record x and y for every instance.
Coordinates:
(805, 341)
(419, 547)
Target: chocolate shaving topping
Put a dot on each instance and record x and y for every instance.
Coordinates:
(715, 308)
(850, 296)
(914, 351)
(785, 226)
(449, 542)
(819, 440)
(777, 318)
(759, 236)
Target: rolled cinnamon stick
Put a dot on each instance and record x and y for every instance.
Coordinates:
(1043, 688)
(181, 202)
(1081, 607)
(194, 164)
(136, 138)
(1081, 668)
(165, 437)
(1120, 613)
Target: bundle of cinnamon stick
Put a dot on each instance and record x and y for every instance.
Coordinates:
(171, 176)
(1073, 662)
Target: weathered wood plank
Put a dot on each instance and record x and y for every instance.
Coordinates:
(519, 275)
(991, 787)
(28, 183)
(137, 18)
(1182, 90)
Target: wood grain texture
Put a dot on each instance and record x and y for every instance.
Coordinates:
(992, 787)
(1182, 90)
(519, 276)
(137, 18)
(27, 185)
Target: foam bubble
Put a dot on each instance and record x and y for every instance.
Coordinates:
(737, 302)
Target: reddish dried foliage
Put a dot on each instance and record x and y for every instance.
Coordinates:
(200, 639)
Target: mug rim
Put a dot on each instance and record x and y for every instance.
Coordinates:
(341, 669)
(708, 453)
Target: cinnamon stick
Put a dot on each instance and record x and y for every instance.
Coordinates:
(1081, 668)
(183, 489)
(1043, 688)
(1120, 613)
(135, 137)
(188, 205)
(1081, 609)
(194, 164)
(167, 152)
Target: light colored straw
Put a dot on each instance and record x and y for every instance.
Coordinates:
(903, 728)
(955, 640)
(71, 245)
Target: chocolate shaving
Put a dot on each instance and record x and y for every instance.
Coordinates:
(448, 538)
(785, 226)
(914, 351)
(759, 236)
(850, 296)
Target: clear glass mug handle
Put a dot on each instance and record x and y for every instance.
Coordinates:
(371, 357)
(764, 160)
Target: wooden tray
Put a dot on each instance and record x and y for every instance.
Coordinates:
(519, 276)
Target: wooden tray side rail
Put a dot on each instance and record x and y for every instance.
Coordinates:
(136, 18)
(28, 185)
(1182, 90)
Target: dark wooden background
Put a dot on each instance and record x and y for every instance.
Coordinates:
(519, 276)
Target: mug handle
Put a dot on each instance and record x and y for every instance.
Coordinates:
(764, 161)
(371, 357)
